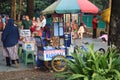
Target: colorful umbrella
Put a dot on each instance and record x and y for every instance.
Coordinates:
(67, 6)
(87, 7)
(71, 6)
(76, 6)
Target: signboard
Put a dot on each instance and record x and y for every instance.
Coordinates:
(47, 55)
(25, 33)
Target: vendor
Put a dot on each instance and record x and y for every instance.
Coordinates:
(74, 29)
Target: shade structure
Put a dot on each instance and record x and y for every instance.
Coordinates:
(87, 7)
(71, 6)
(67, 6)
(51, 9)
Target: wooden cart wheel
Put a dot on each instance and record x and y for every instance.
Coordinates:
(47, 64)
(58, 63)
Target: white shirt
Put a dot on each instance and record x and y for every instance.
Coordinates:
(43, 23)
(81, 29)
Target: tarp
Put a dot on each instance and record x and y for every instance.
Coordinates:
(67, 6)
(51, 9)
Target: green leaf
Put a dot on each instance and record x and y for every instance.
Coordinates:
(76, 76)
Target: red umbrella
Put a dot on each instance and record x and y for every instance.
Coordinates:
(87, 7)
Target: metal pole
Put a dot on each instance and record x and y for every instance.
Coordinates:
(71, 28)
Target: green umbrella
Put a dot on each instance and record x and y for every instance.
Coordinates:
(67, 6)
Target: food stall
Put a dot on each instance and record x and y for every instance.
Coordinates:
(53, 46)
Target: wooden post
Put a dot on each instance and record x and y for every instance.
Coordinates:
(108, 24)
(81, 14)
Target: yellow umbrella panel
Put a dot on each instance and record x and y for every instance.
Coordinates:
(106, 15)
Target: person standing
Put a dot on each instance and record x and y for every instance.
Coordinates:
(43, 23)
(27, 23)
(74, 29)
(10, 37)
(4, 19)
(1, 25)
(33, 27)
(95, 25)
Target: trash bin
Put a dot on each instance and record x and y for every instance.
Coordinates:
(67, 40)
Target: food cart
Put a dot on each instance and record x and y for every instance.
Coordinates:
(52, 47)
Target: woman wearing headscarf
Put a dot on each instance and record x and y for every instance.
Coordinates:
(10, 37)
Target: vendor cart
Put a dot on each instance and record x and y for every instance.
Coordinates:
(46, 54)
(47, 49)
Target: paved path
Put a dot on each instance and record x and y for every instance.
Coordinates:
(97, 44)
(3, 66)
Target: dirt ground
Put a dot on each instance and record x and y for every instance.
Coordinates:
(34, 74)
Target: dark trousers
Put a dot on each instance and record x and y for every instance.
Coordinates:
(8, 61)
(94, 33)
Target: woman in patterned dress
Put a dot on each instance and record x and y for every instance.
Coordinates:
(10, 37)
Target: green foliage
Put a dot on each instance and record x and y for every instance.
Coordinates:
(42, 4)
(102, 4)
(92, 65)
(5, 6)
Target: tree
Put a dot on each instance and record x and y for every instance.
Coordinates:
(20, 9)
(102, 4)
(114, 32)
(13, 9)
(30, 8)
(4, 6)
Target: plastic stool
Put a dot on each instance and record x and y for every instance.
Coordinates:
(28, 57)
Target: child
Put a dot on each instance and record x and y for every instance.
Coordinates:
(104, 37)
(81, 31)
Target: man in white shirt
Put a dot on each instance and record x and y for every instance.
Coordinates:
(43, 21)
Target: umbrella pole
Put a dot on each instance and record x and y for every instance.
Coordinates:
(65, 22)
(71, 28)
(81, 14)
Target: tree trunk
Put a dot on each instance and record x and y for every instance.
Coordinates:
(114, 32)
(30, 8)
(13, 9)
(20, 9)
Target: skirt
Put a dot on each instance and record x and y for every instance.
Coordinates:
(11, 52)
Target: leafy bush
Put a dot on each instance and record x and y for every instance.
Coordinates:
(92, 65)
